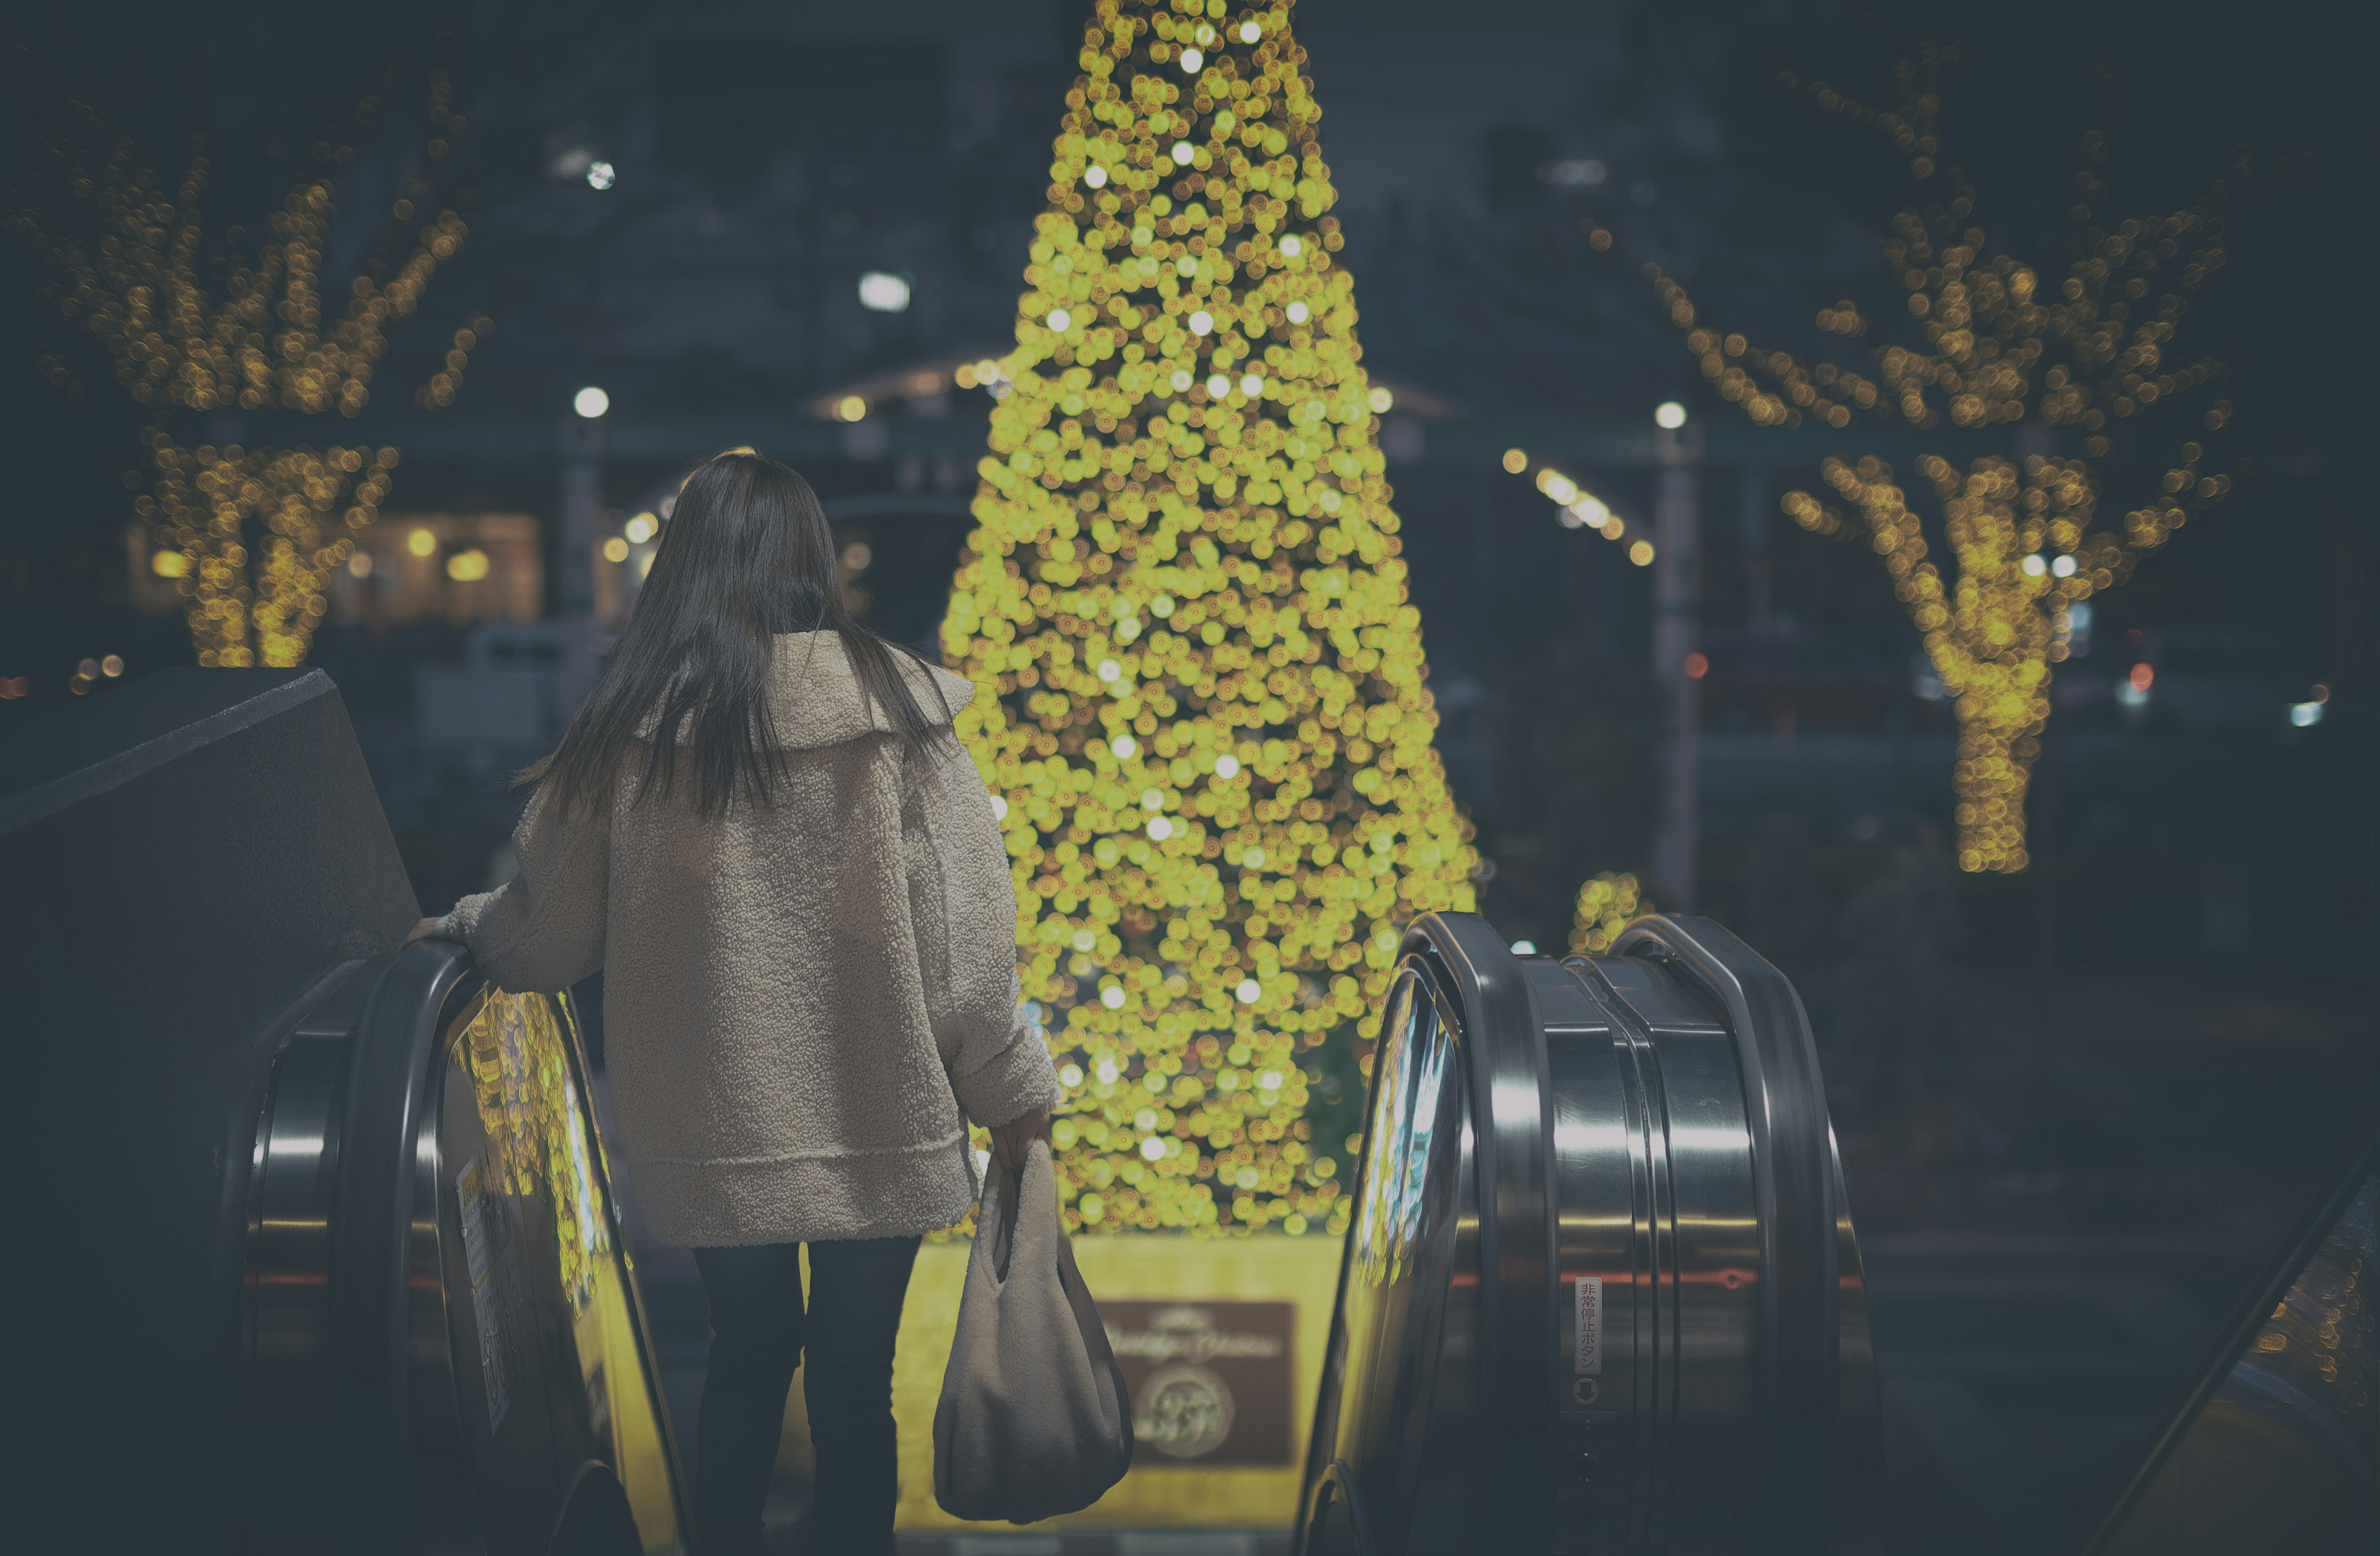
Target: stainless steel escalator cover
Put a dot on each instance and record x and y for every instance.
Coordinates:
(1600, 1290)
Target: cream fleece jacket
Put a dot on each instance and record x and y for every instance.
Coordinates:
(799, 1000)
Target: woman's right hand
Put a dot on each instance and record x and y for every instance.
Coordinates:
(1013, 1142)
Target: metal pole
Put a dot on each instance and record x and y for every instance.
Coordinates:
(581, 447)
(1677, 594)
(1760, 601)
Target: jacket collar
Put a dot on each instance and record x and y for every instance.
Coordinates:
(815, 700)
(814, 695)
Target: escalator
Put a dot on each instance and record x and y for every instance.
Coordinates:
(2277, 1444)
(318, 1250)
(1602, 1290)
(331, 1256)
(438, 1317)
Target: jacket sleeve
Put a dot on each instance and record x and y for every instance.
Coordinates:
(963, 909)
(542, 930)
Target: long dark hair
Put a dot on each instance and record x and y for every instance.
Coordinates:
(746, 554)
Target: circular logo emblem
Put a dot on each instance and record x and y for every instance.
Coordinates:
(1183, 1411)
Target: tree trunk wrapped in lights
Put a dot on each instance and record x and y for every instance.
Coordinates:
(2095, 350)
(1211, 739)
(250, 536)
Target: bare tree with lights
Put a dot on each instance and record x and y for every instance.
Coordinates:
(2062, 362)
(248, 535)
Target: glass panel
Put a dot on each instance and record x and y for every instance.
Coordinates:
(1427, 1051)
(2282, 1456)
(531, 1191)
(1379, 1217)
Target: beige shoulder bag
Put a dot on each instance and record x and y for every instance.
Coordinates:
(1034, 1419)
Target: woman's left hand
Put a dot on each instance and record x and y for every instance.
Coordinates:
(1012, 1141)
(423, 930)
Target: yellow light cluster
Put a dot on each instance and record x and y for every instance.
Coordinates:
(259, 341)
(539, 1147)
(1606, 904)
(1999, 350)
(1211, 739)
(257, 604)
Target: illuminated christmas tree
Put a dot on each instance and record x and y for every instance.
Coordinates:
(1212, 741)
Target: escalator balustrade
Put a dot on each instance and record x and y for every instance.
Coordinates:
(339, 1264)
(1601, 1290)
(436, 1276)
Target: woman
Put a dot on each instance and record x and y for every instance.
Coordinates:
(763, 830)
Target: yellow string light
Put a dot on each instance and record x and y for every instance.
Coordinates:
(1211, 742)
(1999, 350)
(1606, 904)
(257, 532)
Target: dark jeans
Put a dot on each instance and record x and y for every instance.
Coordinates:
(758, 1332)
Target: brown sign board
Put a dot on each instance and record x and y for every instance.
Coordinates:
(1209, 1380)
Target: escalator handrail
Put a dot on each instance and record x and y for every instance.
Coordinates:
(1793, 1183)
(2247, 1321)
(1512, 1111)
(395, 1045)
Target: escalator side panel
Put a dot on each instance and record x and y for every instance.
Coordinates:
(182, 862)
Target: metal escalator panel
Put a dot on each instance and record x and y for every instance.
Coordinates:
(2275, 1447)
(1602, 1290)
